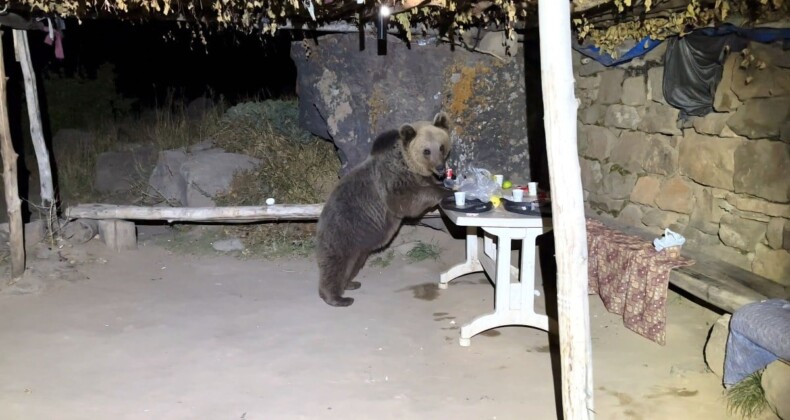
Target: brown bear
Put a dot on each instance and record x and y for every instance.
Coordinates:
(401, 178)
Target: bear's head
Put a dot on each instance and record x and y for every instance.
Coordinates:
(426, 145)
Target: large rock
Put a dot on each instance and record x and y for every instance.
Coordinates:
(754, 82)
(622, 116)
(784, 132)
(607, 204)
(659, 118)
(774, 233)
(776, 385)
(350, 96)
(705, 215)
(760, 118)
(590, 174)
(209, 174)
(610, 90)
(717, 344)
(741, 233)
(762, 169)
(592, 114)
(660, 157)
(592, 82)
(600, 142)
(646, 190)
(708, 160)
(655, 85)
(663, 219)
(166, 182)
(772, 264)
(618, 185)
(675, 196)
(631, 215)
(581, 139)
(756, 205)
(121, 171)
(193, 179)
(712, 124)
(786, 237)
(725, 100)
(634, 92)
(631, 150)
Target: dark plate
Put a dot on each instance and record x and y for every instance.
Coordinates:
(471, 206)
(531, 208)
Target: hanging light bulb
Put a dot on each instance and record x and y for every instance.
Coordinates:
(383, 23)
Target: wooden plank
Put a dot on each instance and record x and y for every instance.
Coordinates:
(723, 294)
(240, 214)
(13, 203)
(567, 204)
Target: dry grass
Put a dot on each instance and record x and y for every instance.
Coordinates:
(292, 171)
(166, 127)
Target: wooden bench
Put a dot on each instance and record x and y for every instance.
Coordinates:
(116, 226)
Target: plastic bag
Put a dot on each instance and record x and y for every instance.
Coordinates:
(669, 239)
(479, 183)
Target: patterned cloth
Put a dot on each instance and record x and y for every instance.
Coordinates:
(631, 277)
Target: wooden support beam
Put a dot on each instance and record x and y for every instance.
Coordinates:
(22, 48)
(48, 207)
(567, 204)
(13, 203)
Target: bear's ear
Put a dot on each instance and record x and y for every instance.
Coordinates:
(407, 133)
(442, 121)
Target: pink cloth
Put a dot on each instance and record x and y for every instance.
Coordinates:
(58, 43)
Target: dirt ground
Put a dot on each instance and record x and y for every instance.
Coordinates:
(156, 334)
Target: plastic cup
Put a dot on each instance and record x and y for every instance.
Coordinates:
(518, 194)
(460, 198)
(499, 179)
(533, 188)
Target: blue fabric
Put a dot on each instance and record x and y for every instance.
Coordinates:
(759, 334)
(641, 48)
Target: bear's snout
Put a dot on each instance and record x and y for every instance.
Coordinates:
(440, 169)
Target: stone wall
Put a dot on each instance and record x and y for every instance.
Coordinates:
(722, 180)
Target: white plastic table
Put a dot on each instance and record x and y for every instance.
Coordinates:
(514, 302)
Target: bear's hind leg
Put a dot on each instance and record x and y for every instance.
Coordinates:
(359, 262)
(333, 273)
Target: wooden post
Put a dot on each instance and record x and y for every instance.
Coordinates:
(567, 204)
(14, 204)
(36, 132)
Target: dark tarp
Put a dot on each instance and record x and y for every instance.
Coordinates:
(693, 63)
(692, 70)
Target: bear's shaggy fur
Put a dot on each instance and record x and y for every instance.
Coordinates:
(399, 179)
